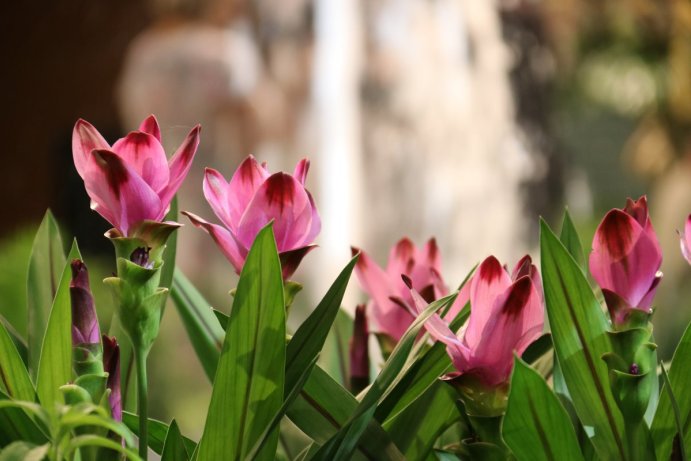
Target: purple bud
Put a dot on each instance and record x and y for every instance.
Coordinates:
(634, 369)
(111, 364)
(140, 256)
(359, 351)
(84, 320)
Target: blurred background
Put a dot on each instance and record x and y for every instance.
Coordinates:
(461, 119)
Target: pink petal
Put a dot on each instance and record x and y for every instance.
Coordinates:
(359, 350)
(144, 154)
(638, 210)
(283, 199)
(431, 254)
(489, 282)
(401, 259)
(524, 267)
(85, 138)
(647, 301)
(119, 190)
(388, 317)
(316, 225)
(230, 247)
(624, 259)
(301, 170)
(216, 193)
(685, 240)
(244, 184)
(180, 164)
(150, 125)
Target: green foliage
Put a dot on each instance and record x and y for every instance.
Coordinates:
(536, 425)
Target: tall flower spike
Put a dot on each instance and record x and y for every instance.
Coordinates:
(250, 200)
(626, 260)
(506, 315)
(131, 181)
(391, 308)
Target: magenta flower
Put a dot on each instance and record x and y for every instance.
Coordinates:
(131, 181)
(685, 240)
(626, 260)
(252, 199)
(506, 315)
(392, 308)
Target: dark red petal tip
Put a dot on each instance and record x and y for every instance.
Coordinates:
(407, 281)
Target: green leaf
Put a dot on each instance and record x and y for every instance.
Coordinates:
(570, 239)
(248, 387)
(18, 341)
(538, 348)
(417, 427)
(579, 333)
(14, 377)
(202, 327)
(55, 364)
(89, 440)
(664, 427)
(342, 445)
(536, 426)
(16, 424)
(324, 406)
(45, 266)
(170, 252)
(158, 432)
(24, 451)
(174, 447)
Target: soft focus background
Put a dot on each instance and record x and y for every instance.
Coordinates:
(461, 119)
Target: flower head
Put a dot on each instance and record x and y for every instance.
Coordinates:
(131, 181)
(391, 308)
(85, 330)
(250, 200)
(626, 260)
(506, 315)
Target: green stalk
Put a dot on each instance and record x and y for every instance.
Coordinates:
(142, 403)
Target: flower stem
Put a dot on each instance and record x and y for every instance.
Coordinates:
(142, 402)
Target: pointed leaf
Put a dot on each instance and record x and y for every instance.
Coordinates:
(170, 252)
(579, 333)
(248, 386)
(664, 426)
(571, 241)
(158, 432)
(174, 447)
(14, 377)
(536, 426)
(16, 424)
(55, 364)
(45, 267)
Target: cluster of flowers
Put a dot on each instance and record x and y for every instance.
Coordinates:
(132, 182)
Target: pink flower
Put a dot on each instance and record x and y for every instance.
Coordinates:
(506, 315)
(626, 260)
(685, 240)
(392, 308)
(131, 181)
(253, 198)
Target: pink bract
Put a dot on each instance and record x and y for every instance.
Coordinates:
(131, 181)
(506, 315)
(685, 240)
(250, 200)
(392, 308)
(626, 259)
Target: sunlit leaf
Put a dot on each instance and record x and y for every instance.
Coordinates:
(174, 447)
(579, 330)
(248, 386)
(15, 380)
(45, 267)
(55, 364)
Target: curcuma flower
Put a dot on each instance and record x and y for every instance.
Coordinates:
(85, 330)
(131, 181)
(626, 260)
(506, 315)
(252, 199)
(391, 308)
(685, 240)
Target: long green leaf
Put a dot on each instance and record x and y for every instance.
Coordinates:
(158, 432)
(170, 252)
(55, 364)
(248, 387)
(342, 445)
(45, 266)
(23, 451)
(14, 377)
(202, 327)
(579, 333)
(664, 427)
(536, 426)
(570, 239)
(174, 447)
(16, 424)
